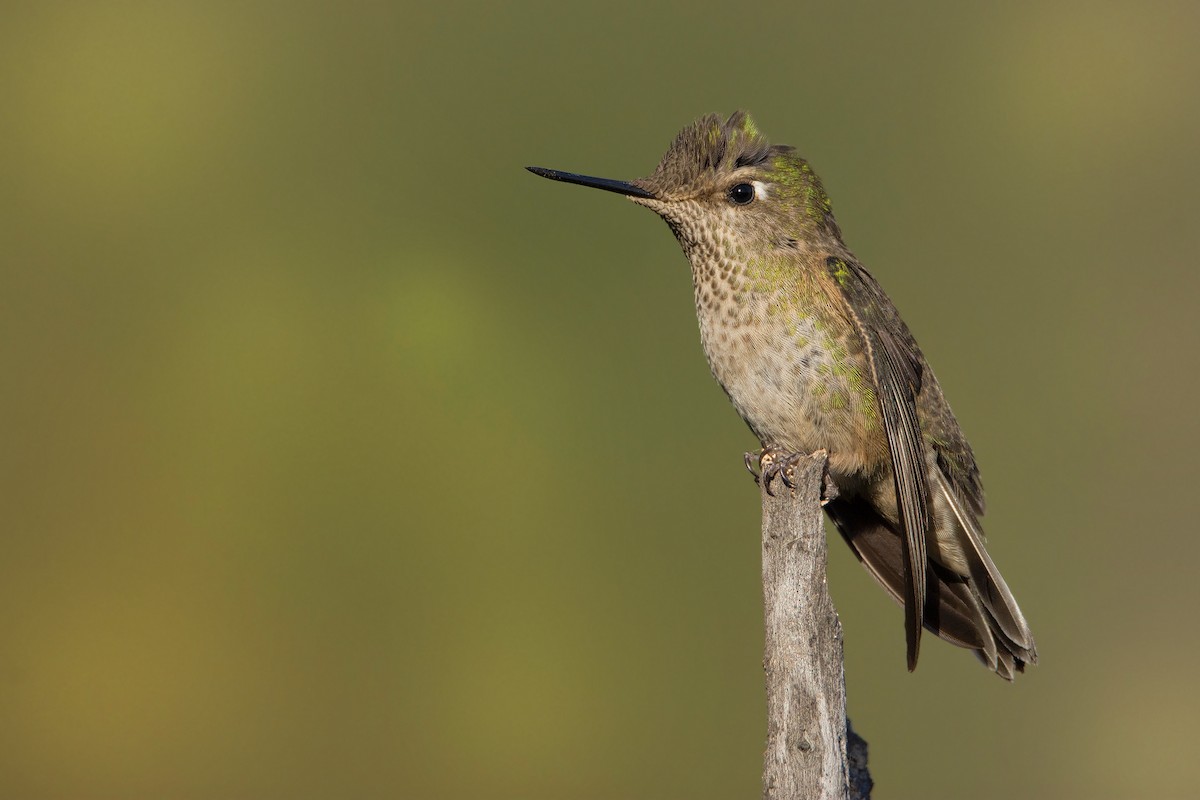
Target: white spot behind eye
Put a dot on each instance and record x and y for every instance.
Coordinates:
(760, 190)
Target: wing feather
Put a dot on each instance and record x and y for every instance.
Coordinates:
(896, 367)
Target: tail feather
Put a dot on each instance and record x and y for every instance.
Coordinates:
(989, 585)
(955, 609)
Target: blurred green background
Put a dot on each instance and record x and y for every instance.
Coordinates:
(344, 458)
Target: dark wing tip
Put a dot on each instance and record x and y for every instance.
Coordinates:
(912, 635)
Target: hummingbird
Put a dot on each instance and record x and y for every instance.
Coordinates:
(815, 357)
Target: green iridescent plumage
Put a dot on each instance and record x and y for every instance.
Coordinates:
(813, 355)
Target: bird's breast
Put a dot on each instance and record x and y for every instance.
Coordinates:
(794, 369)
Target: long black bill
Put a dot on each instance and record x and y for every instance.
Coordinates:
(608, 185)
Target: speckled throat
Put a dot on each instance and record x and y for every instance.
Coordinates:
(779, 344)
(814, 355)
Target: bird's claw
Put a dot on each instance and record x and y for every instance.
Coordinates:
(750, 458)
(774, 463)
(782, 466)
(763, 458)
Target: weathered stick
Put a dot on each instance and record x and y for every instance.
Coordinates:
(807, 729)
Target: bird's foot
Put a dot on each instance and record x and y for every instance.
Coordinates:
(775, 463)
(750, 459)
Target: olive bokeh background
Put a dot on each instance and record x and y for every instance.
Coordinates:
(344, 458)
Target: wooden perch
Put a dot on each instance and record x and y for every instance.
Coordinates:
(807, 731)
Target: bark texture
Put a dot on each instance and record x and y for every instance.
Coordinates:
(807, 731)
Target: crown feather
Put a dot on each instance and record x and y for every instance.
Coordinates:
(710, 146)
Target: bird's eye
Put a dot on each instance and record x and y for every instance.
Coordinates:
(742, 194)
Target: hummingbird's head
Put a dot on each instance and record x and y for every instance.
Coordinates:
(722, 180)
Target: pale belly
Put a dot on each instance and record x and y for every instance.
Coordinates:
(799, 388)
